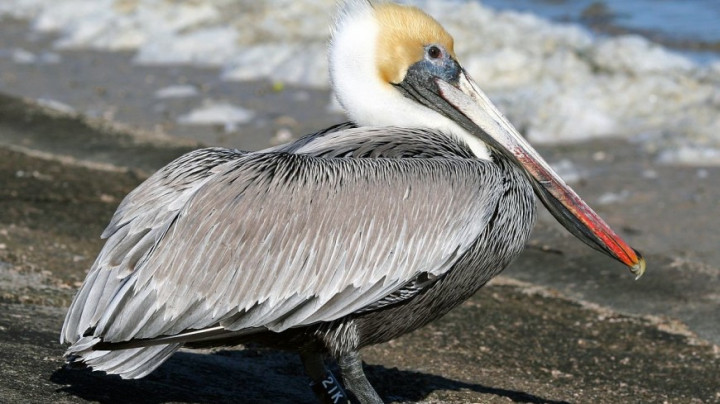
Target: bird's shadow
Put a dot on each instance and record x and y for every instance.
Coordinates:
(252, 376)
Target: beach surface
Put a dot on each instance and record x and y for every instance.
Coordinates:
(563, 323)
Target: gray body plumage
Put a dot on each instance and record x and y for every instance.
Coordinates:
(345, 238)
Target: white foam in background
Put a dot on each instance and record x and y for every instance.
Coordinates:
(556, 82)
(177, 91)
(217, 113)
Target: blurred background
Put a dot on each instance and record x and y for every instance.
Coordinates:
(622, 97)
(563, 71)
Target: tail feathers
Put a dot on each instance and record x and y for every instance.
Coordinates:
(131, 363)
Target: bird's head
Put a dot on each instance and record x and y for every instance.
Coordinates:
(379, 54)
(394, 65)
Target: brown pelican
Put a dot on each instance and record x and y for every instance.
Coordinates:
(345, 238)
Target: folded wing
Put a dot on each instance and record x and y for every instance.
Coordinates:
(278, 240)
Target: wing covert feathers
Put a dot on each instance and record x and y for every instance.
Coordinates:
(237, 241)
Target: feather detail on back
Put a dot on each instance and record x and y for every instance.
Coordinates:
(269, 240)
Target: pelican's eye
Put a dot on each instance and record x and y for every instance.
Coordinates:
(434, 52)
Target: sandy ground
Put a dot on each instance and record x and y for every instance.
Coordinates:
(564, 324)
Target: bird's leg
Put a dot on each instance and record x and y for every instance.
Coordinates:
(355, 380)
(324, 384)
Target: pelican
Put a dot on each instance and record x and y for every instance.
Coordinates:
(345, 238)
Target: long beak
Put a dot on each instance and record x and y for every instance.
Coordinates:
(482, 119)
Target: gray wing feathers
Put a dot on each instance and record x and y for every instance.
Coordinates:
(280, 240)
(130, 363)
(139, 223)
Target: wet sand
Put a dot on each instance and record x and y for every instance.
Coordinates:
(563, 324)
